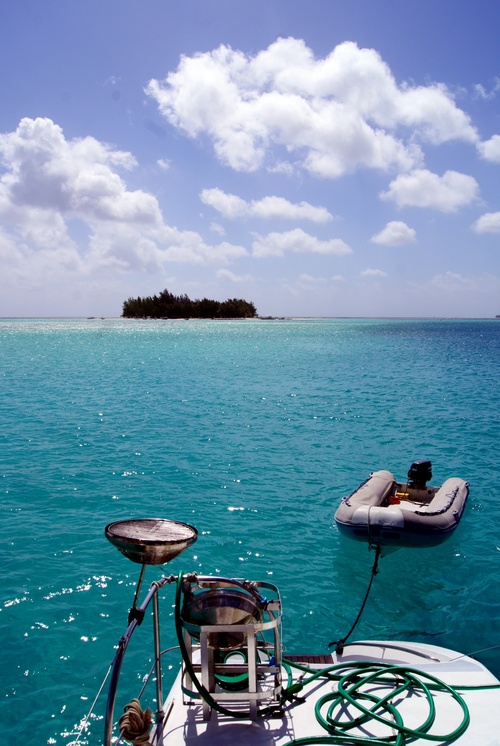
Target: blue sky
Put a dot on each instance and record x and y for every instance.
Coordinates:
(320, 158)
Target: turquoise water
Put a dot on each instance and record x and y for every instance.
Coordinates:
(252, 431)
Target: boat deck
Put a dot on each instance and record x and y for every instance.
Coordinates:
(185, 724)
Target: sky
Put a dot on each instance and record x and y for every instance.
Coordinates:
(323, 158)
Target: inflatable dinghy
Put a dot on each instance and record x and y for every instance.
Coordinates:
(384, 512)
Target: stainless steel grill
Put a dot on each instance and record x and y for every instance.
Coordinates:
(151, 541)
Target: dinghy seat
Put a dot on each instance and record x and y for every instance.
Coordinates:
(453, 490)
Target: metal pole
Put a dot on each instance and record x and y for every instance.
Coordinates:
(159, 687)
(120, 653)
(137, 593)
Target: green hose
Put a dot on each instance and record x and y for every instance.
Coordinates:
(349, 692)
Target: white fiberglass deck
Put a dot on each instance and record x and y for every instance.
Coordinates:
(184, 723)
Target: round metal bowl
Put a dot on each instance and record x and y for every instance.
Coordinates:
(220, 606)
(150, 541)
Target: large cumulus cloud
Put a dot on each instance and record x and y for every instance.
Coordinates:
(331, 116)
(53, 189)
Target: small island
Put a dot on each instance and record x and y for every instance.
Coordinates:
(169, 306)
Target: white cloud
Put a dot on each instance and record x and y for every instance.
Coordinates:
(47, 172)
(434, 115)
(25, 267)
(49, 184)
(488, 223)
(282, 167)
(112, 80)
(368, 272)
(226, 274)
(482, 93)
(336, 114)
(450, 281)
(163, 164)
(311, 279)
(422, 188)
(231, 206)
(490, 149)
(469, 285)
(216, 228)
(395, 233)
(297, 241)
(277, 207)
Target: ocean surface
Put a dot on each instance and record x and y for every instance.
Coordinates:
(252, 431)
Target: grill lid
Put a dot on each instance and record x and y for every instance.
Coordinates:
(150, 541)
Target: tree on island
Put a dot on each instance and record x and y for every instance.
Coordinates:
(169, 306)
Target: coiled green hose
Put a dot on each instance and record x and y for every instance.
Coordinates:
(351, 681)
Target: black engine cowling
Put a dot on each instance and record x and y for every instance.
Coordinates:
(419, 474)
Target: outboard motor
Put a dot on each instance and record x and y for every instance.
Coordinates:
(419, 474)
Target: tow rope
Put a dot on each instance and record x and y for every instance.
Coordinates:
(339, 644)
